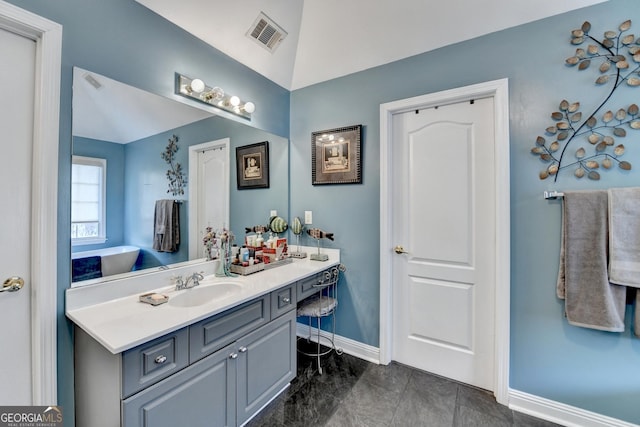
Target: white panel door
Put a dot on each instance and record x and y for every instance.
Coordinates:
(444, 221)
(17, 79)
(211, 187)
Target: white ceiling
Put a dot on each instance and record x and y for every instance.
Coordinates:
(332, 38)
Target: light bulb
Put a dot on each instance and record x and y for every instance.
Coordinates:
(234, 100)
(197, 85)
(249, 107)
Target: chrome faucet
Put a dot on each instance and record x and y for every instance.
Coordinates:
(194, 279)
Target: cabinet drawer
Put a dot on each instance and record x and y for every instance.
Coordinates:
(149, 363)
(209, 335)
(283, 300)
(308, 286)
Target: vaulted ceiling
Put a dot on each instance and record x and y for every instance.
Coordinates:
(332, 38)
(325, 39)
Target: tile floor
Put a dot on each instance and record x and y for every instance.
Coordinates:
(355, 393)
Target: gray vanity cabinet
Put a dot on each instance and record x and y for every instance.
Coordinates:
(225, 388)
(216, 372)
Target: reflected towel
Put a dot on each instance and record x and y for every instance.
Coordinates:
(86, 268)
(590, 300)
(166, 226)
(636, 321)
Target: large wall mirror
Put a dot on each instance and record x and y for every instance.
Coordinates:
(120, 192)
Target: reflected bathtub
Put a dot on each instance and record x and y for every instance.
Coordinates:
(114, 260)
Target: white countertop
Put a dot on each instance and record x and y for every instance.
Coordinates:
(111, 313)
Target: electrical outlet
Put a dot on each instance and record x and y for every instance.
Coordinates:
(308, 217)
(273, 213)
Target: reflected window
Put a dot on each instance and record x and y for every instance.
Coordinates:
(88, 194)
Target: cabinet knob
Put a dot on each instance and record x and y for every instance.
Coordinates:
(242, 349)
(161, 359)
(233, 356)
(286, 300)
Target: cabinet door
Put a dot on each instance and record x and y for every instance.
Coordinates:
(204, 394)
(266, 364)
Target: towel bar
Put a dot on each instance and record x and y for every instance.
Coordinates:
(552, 195)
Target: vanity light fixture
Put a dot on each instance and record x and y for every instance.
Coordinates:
(214, 96)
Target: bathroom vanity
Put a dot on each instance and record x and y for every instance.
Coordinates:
(211, 358)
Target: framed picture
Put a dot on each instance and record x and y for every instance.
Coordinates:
(253, 166)
(336, 156)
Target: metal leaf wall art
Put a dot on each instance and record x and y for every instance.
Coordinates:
(176, 176)
(597, 135)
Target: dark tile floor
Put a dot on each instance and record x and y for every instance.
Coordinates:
(353, 392)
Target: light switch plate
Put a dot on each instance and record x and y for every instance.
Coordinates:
(308, 218)
(273, 213)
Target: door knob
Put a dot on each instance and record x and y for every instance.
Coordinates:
(12, 284)
(400, 250)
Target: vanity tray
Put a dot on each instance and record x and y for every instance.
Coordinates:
(244, 271)
(274, 264)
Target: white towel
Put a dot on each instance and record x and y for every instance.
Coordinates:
(590, 300)
(624, 236)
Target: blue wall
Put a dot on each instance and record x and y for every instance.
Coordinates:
(130, 207)
(123, 40)
(114, 154)
(594, 370)
(146, 182)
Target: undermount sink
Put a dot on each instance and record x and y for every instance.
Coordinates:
(204, 294)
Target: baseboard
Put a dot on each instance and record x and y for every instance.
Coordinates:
(560, 413)
(349, 346)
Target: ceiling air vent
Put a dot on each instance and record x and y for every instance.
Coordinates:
(266, 33)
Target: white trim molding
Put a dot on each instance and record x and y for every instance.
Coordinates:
(560, 413)
(499, 90)
(44, 226)
(349, 346)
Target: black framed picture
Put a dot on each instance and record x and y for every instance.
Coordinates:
(253, 166)
(336, 156)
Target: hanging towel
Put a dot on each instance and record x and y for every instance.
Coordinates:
(590, 300)
(624, 236)
(636, 321)
(166, 226)
(624, 242)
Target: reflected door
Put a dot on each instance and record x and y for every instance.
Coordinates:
(444, 226)
(209, 194)
(16, 121)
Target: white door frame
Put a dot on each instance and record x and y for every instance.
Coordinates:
(194, 238)
(44, 223)
(499, 90)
